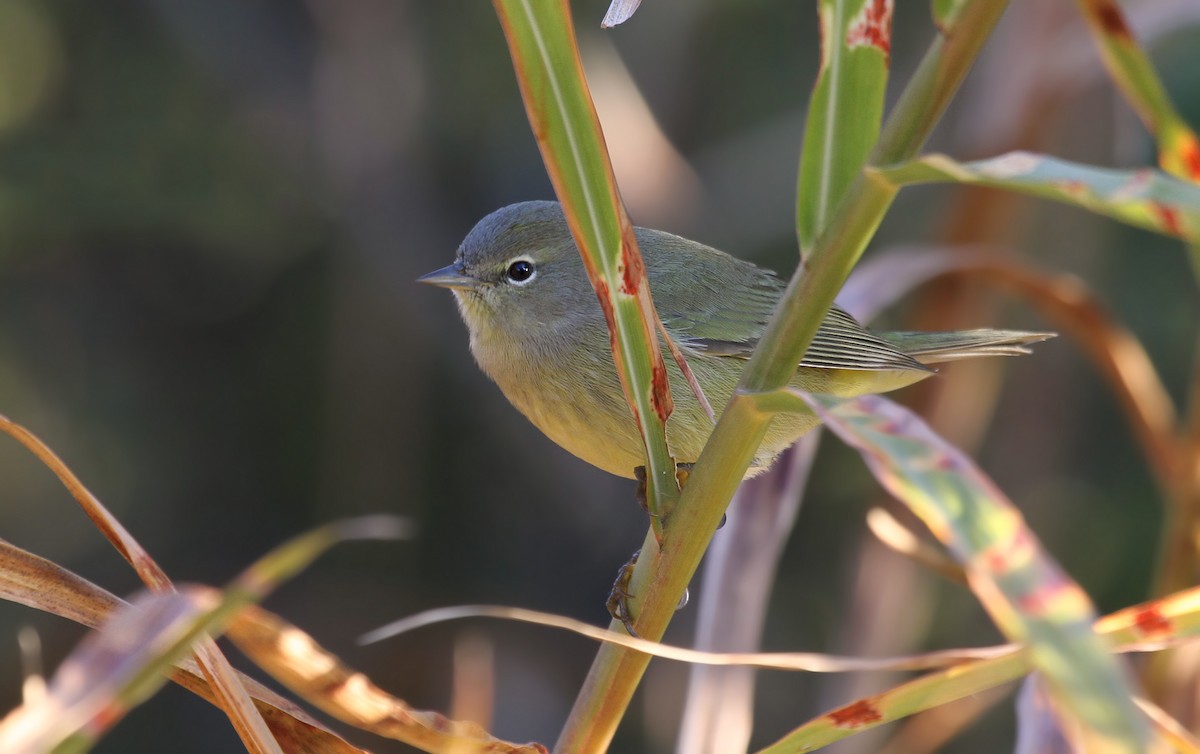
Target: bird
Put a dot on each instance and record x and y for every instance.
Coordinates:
(537, 329)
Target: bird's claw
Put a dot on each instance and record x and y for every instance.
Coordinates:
(682, 472)
(640, 494)
(618, 598)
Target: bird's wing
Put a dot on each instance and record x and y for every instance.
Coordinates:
(840, 343)
(708, 300)
(719, 305)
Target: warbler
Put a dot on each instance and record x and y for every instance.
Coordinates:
(538, 331)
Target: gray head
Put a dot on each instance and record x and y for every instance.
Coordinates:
(518, 271)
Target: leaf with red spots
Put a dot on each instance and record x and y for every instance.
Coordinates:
(1028, 595)
(541, 40)
(1151, 623)
(1171, 617)
(855, 715)
(1146, 198)
(1125, 629)
(872, 27)
(846, 108)
(1179, 151)
(1135, 77)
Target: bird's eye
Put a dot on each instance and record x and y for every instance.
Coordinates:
(521, 271)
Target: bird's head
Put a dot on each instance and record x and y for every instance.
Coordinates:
(518, 273)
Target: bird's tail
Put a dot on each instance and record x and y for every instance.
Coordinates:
(936, 347)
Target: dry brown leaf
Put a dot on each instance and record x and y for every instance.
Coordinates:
(109, 672)
(809, 662)
(265, 722)
(298, 662)
(36, 582)
(900, 538)
(233, 699)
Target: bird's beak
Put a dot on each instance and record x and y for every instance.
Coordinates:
(449, 277)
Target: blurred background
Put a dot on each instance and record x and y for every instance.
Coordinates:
(211, 216)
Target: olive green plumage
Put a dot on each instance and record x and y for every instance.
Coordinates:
(538, 331)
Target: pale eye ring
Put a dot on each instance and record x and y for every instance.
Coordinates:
(520, 271)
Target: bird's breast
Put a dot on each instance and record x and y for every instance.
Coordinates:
(570, 391)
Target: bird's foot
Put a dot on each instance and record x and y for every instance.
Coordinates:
(682, 472)
(619, 597)
(640, 494)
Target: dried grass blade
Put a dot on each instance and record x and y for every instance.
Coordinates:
(36, 582)
(232, 698)
(294, 659)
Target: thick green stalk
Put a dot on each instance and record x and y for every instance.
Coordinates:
(541, 39)
(661, 577)
(845, 110)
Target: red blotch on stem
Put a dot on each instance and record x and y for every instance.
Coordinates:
(602, 294)
(855, 715)
(1189, 155)
(1149, 622)
(948, 462)
(1110, 18)
(1002, 557)
(1057, 588)
(659, 388)
(633, 270)
(610, 318)
(873, 27)
(1034, 604)
(107, 717)
(1073, 188)
(1168, 217)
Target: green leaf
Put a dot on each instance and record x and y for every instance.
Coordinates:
(1146, 198)
(846, 107)
(541, 39)
(1027, 594)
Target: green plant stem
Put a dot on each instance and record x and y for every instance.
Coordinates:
(661, 576)
(541, 39)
